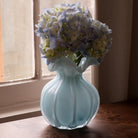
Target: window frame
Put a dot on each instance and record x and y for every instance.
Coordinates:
(23, 90)
(23, 96)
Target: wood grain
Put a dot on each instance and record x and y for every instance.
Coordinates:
(112, 121)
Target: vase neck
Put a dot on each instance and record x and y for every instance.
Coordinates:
(64, 72)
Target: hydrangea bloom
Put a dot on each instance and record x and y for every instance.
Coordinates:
(69, 30)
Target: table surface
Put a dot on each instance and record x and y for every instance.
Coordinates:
(118, 120)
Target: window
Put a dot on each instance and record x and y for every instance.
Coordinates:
(17, 40)
(22, 72)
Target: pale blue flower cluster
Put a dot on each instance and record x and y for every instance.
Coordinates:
(69, 30)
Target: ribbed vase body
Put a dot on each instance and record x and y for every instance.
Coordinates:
(69, 101)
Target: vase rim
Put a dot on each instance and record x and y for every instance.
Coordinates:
(83, 65)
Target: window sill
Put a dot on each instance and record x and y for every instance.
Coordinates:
(20, 112)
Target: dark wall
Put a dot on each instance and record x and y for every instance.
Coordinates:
(133, 78)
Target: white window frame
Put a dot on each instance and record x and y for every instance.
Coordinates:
(19, 97)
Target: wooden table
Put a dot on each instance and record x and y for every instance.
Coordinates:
(112, 121)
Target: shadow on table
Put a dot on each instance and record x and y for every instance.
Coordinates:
(86, 132)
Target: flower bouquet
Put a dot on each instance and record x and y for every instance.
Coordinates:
(71, 41)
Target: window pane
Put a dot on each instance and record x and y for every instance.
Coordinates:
(50, 3)
(16, 40)
(45, 71)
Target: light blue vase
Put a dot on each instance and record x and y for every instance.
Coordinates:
(69, 101)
